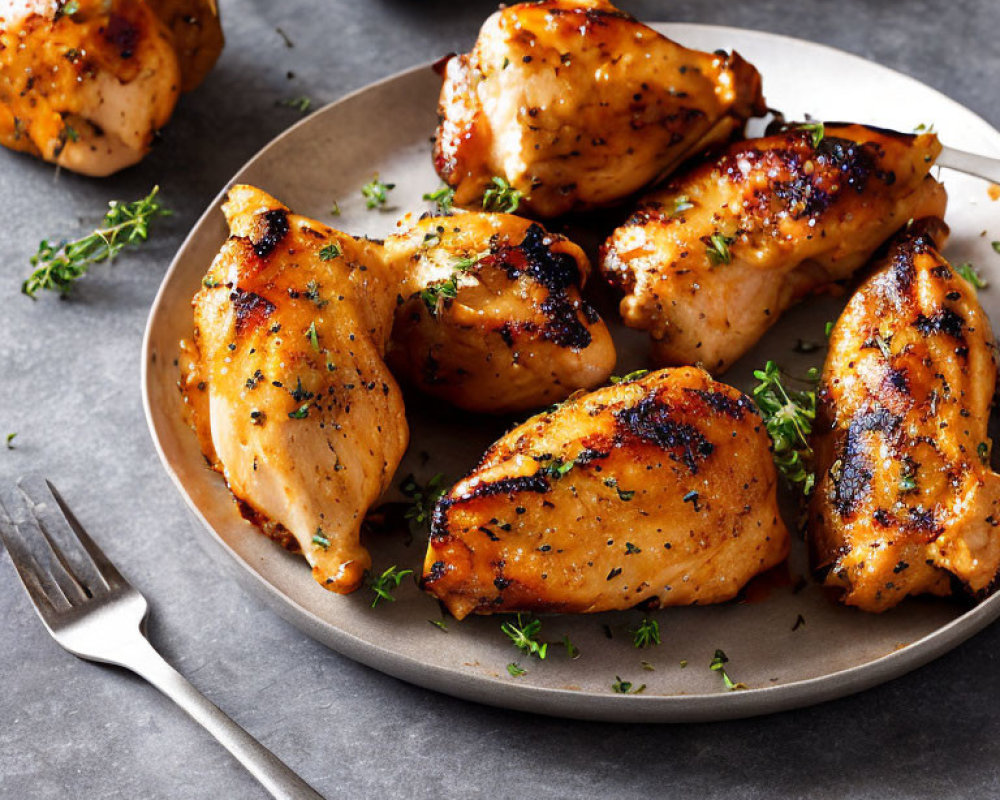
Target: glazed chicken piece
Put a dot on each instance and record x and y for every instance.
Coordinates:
(709, 263)
(658, 491)
(492, 319)
(87, 84)
(291, 398)
(906, 501)
(576, 105)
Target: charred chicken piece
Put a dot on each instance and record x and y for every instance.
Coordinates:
(577, 104)
(906, 501)
(87, 84)
(291, 398)
(710, 262)
(491, 317)
(658, 491)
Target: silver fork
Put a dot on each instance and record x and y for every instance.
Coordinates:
(93, 612)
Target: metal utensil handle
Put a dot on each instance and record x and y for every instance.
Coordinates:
(140, 657)
(970, 163)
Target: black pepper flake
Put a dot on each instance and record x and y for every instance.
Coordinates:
(614, 573)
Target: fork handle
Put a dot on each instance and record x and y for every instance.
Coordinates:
(276, 776)
(970, 163)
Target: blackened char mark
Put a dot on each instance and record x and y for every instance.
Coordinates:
(554, 271)
(252, 310)
(270, 227)
(856, 471)
(564, 327)
(722, 403)
(946, 321)
(122, 34)
(854, 161)
(653, 422)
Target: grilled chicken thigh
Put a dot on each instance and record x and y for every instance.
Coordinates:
(659, 490)
(492, 319)
(576, 104)
(906, 500)
(710, 262)
(291, 397)
(87, 84)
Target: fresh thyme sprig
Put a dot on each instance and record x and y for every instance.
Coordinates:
(444, 197)
(646, 633)
(524, 636)
(501, 196)
(718, 664)
(717, 248)
(435, 294)
(376, 193)
(58, 265)
(971, 274)
(788, 416)
(423, 499)
(385, 584)
(816, 130)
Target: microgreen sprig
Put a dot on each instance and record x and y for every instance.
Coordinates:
(385, 584)
(501, 196)
(788, 416)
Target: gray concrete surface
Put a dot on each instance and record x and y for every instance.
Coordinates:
(70, 389)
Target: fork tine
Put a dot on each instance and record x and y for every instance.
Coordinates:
(46, 598)
(22, 511)
(75, 550)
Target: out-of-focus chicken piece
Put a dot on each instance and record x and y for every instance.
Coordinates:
(577, 104)
(658, 491)
(197, 34)
(906, 500)
(491, 317)
(304, 418)
(709, 263)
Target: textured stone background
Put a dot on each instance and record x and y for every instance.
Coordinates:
(70, 389)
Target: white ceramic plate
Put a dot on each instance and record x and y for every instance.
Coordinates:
(833, 651)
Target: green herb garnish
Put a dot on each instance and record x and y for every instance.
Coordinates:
(681, 204)
(439, 623)
(632, 376)
(302, 104)
(717, 248)
(524, 636)
(301, 412)
(983, 451)
(788, 416)
(376, 193)
(719, 665)
(320, 540)
(423, 499)
(572, 651)
(386, 583)
(501, 196)
(625, 687)
(58, 265)
(971, 275)
(312, 336)
(646, 633)
(444, 197)
(515, 670)
(816, 129)
(330, 252)
(10, 440)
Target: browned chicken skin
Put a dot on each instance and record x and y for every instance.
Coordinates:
(576, 104)
(492, 319)
(659, 490)
(87, 85)
(290, 394)
(906, 500)
(710, 262)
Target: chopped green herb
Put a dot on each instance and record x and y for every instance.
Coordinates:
(995, 246)
(330, 252)
(632, 376)
(983, 451)
(971, 275)
(67, 9)
(58, 265)
(646, 633)
(828, 328)
(312, 336)
(681, 204)
(301, 412)
(717, 248)
(71, 133)
(523, 635)
(386, 583)
(631, 549)
(376, 193)
(335, 209)
(922, 128)
(719, 665)
(626, 495)
(683, 663)
(312, 293)
(515, 670)
(647, 666)
(501, 196)
(572, 651)
(439, 623)
(625, 687)
(443, 196)
(302, 104)
(816, 129)
(10, 440)
(320, 540)
(435, 294)
(209, 282)
(423, 499)
(788, 416)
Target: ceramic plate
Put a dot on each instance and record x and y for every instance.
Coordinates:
(786, 640)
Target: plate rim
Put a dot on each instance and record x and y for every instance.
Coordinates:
(559, 702)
